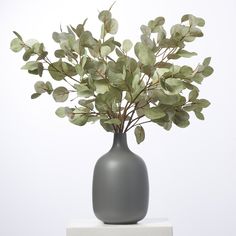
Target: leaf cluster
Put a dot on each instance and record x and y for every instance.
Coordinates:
(110, 86)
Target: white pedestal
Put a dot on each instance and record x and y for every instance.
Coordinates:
(147, 227)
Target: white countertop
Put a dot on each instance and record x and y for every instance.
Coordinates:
(93, 227)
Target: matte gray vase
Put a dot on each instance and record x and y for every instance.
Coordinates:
(120, 185)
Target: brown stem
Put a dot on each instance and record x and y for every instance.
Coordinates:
(135, 124)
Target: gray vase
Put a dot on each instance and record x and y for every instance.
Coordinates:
(120, 185)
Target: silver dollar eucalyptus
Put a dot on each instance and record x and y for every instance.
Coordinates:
(105, 83)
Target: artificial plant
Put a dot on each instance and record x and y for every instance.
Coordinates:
(109, 83)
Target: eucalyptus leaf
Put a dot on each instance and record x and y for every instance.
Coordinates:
(111, 26)
(193, 95)
(31, 65)
(208, 70)
(35, 95)
(56, 71)
(16, 45)
(60, 112)
(144, 54)
(207, 61)
(154, 113)
(139, 134)
(104, 16)
(79, 119)
(184, 53)
(105, 51)
(60, 94)
(40, 87)
(199, 115)
(127, 45)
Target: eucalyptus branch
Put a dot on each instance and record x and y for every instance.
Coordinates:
(106, 76)
(136, 124)
(131, 117)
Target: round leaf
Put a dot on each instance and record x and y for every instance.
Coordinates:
(60, 112)
(60, 94)
(144, 54)
(127, 45)
(16, 45)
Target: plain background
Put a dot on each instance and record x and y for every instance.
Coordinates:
(46, 164)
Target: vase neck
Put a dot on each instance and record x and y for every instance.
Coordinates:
(120, 141)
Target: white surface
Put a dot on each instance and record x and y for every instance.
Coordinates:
(46, 163)
(148, 227)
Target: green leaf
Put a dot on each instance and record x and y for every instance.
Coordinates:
(144, 54)
(79, 69)
(198, 78)
(49, 87)
(106, 126)
(31, 65)
(167, 99)
(56, 37)
(68, 69)
(60, 112)
(60, 94)
(193, 20)
(193, 95)
(181, 119)
(154, 113)
(16, 45)
(199, 115)
(111, 26)
(163, 65)
(59, 53)
(28, 53)
(178, 33)
(87, 40)
(35, 95)
(18, 35)
(40, 69)
(105, 50)
(104, 16)
(83, 90)
(207, 61)
(87, 103)
(184, 53)
(174, 85)
(203, 103)
(182, 124)
(79, 120)
(208, 70)
(40, 87)
(117, 79)
(127, 45)
(55, 70)
(186, 71)
(195, 32)
(145, 30)
(114, 121)
(42, 56)
(159, 21)
(173, 56)
(119, 53)
(139, 134)
(101, 86)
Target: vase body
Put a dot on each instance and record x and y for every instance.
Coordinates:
(120, 185)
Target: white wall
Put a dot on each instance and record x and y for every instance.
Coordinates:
(46, 164)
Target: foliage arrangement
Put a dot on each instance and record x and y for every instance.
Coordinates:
(120, 85)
